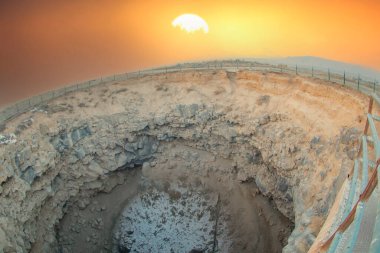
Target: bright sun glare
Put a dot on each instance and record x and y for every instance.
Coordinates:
(190, 23)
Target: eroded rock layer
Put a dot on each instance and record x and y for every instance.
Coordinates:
(293, 137)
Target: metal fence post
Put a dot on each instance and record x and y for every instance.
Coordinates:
(358, 81)
(344, 77)
(374, 85)
(329, 74)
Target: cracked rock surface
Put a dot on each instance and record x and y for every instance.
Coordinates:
(293, 138)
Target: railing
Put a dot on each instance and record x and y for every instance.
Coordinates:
(365, 85)
(354, 215)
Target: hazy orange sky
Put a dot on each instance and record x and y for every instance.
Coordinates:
(45, 44)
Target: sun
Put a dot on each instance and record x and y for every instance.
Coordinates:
(190, 23)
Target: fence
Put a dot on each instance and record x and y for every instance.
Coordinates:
(356, 215)
(362, 84)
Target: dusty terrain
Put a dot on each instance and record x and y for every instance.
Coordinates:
(290, 140)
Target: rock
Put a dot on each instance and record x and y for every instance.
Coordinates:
(122, 160)
(61, 142)
(8, 139)
(254, 157)
(29, 175)
(83, 203)
(80, 153)
(64, 140)
(315, 140)
(9, 249)
(196, 251)
(160, 120)
(123, 249)
(23, 125)
(282, 184)
(139, 151)
(349, 135)
(80, 133)
(263, 120)
(263, 100)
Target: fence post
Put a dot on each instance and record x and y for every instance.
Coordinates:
(312, 71)
(296, 69)
(329, 74)
(358, 81)
(374, 85)
(237, 64)
(344, 77)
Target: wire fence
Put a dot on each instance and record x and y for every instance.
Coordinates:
(354, 81)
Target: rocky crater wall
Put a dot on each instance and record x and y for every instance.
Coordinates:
(294, 138)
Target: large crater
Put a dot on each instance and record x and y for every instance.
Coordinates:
(206, 161)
